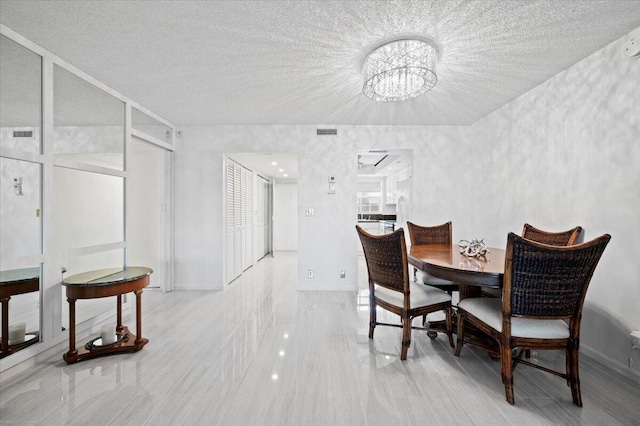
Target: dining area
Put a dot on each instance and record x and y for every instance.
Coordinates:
(506, 301)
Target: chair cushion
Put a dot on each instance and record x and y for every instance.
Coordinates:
(428, 279)
(489, 311)
(421, 295)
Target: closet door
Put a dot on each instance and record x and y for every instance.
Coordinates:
(231, 224)
(247, 218)
(237, 220)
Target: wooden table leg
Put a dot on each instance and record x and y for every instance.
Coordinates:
(138, 316)
(119, 326)
(4, 346)
(69, 356)
(467, 291)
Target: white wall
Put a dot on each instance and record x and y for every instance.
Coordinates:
(199, 203)
(568, 153)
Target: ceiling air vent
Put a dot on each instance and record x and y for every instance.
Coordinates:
(23, 134)
(326, 132)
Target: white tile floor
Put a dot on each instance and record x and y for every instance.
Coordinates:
(261, 353)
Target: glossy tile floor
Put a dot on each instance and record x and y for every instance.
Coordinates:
(261, 353)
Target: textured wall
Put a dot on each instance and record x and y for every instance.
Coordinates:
(199, 201)
(567, 153)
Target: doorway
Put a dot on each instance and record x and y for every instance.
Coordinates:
(148, 218)
(384, 194)
(285, 216)
(250, 184)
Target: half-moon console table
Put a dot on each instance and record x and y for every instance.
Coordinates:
(106, 283)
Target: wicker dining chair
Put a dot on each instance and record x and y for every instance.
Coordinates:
(563, 238)
(391, 289)
(439, 234)
(543, 286)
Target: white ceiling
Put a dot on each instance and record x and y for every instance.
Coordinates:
(299, 62)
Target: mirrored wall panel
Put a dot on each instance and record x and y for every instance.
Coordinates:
(20, 97)
(20, 208)
(89, 209)
(149, 125)
(20, 293)
(88, 122)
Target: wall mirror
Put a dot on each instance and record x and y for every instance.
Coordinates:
(89, 212)
(20, 319)
(20, 97)
(88, 186)
(20, 218)
(20, 196)
(149, 125)
(89, 209)
(88, 123)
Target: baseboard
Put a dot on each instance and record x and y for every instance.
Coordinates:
(196, 288)
(610, 363)
(326, 287)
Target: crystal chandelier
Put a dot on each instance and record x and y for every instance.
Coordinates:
(400, 70)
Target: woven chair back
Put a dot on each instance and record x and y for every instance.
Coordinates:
(565, 238)
(440, 234)
(549, 281)
(386, 257)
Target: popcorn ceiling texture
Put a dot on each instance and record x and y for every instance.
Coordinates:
(294, 62)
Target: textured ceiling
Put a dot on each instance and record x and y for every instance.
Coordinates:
(299, 62)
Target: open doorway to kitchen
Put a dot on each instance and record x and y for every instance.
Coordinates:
(384, 194)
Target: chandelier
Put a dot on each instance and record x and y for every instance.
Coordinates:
(400, 70)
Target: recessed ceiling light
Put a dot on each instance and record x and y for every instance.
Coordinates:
(281, 170)
(286, 175)
(274, 163)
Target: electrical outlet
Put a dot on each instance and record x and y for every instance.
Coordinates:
(343, 274)
(634, 337)
(310, 273)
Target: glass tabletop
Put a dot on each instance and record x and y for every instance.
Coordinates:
(107, 276)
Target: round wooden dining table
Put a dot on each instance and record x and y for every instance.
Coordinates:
(470, 273)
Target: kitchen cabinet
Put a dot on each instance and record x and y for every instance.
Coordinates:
(371, 226)
(391, 183)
